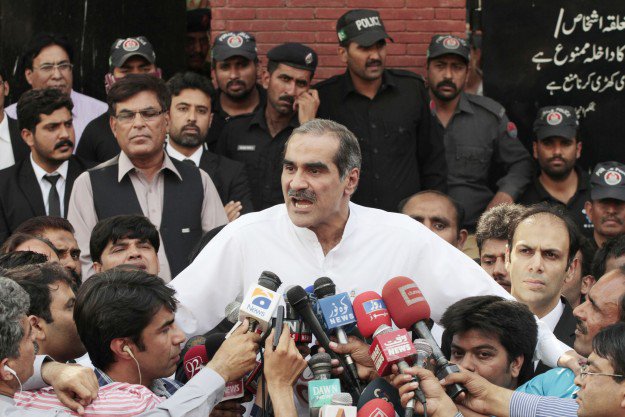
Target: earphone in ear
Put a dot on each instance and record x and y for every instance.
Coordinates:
(8, 369)
(129, 351)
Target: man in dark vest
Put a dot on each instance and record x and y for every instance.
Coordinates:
(178, 198)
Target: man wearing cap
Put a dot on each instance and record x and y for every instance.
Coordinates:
(258, 139)
(557, 148)
(128, 56)
(387, 109)
(197, 44)
(235, 70)
(479, 139)
(606, 208)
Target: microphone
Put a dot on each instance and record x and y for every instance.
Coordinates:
(205, 353)
(232, 311)
(194, 360)
(341, 406)
(409, 310)
(371, 313)
(337, 313)
(261, 301)
(300, 332)
(321, 389)
(376, 408)
(380, 388)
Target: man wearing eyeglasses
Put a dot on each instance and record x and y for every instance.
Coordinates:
(47, 63)
(177, 197)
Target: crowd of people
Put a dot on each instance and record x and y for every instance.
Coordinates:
(128, 228)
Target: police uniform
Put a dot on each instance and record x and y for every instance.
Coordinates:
(400, 156)
(247, 138)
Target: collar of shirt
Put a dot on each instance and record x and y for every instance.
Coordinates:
(6, 399)
(347, 85)
(195, 157)
(162, 387)
(582, 185)
(310, 236)
(553, 317)
(126, 165)
(260, 120)
(5, 135)
(262, 93)
(464, 105)
(40, 172)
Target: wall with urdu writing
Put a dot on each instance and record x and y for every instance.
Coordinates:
(560, 52)
(411, 23)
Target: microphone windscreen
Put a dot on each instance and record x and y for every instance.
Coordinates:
(232, 311)
(370, 312)
(213, 343)
(342, 398)
(379, 388)
(194, 360)
(269, 280)
(405, 302)
(423, 347)
(296, 296)
(324, 287)
(376, 408)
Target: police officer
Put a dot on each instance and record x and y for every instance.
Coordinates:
(483, 152)
(258, 139)
(557, 148)
(387, 110)
(197, 42)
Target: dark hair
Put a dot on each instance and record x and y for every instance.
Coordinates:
(133, 84)
(495, 223)
(118, 303)
(41, 41)
(17, 239)
(15, 259)
(612, 248)
(33, 103)
(206, 237)
(37, 225)
(190, 80)
(510, 321)
(588, 249)
(609, 344)
(125, 226)
(457, 207)
(3, 73)
(554, 211)
(37, 281)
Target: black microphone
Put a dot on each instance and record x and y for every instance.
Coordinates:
(382, 389)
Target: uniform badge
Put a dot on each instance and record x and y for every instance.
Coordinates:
(612, 178)
(512, 130)
(554, 118)
(235, 41)
(451, 43)
(130, 45)
(309, 58)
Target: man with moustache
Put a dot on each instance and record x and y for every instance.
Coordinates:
(387, 109)
(258, 139)
(479, 139)
(235, 70)
(557, 148)
(606, 207)
(190, 118)
(41, 184)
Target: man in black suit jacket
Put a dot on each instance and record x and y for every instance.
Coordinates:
(40, 184)
(190, 117)
(20, 149)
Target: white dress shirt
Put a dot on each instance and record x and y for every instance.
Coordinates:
(45, 186)
(195, 156)
(85, 110)
(375, 247)
(6, 148)
(552, 318)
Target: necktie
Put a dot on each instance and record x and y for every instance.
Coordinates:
(54, 202)
(189, 161)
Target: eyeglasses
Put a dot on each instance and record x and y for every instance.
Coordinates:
(49, 68)
(147, 115)
(585, 372)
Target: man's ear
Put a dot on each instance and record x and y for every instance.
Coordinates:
(97, 266)
(507, 258)
(117, 347)
(587, 282)
(342, 51)
(352, 181)
(265, 78)
(28, 137)
(570, 271)
(588, 209)
(7, 88)
(516, 365)
(39, 327)
(535, 149)
(5, 375)
(29, 76)
(462, 238)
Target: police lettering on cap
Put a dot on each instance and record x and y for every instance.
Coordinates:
(362, 26)
(231, 44)
(608, 181)
(122, 49)
(294, 55)
(448, 44)
(556, 121)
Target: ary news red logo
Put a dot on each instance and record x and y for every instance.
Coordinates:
(554, 118)
(451, 43)
(612, 178)
(411, 294)
(194, 365)
(378, 412)
(235, 41)
(131, 44)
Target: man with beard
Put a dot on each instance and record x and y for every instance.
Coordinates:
(235, 70)
(198, 43)
(258, 139)
(387, 109)
(190, 118)
(479, 139)
(606, 207)
(41, 184)
(557, 148)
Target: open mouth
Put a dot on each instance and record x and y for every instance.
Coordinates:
(301, 203)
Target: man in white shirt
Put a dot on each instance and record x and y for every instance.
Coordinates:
(12, 147)
(47, 63)
(318, 232)
(41, 184)
(540, 257)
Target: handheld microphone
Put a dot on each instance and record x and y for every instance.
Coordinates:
(323, 387)
(194, 360)
(371, 313)
(337, 313)
(376, 408)
(380, 388)
(341, 406)
(232, 311)
(300, 332)
(409, 310)
(261, 301)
